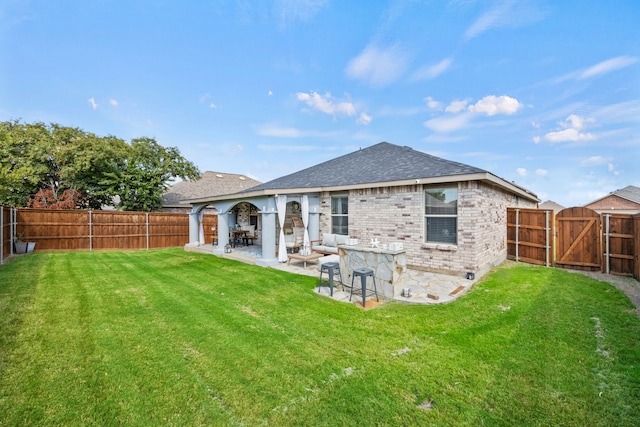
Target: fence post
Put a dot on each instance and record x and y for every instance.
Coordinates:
(13, 218)
(546, 221)
(1, 234)
(606, 236)
(147, 218)
(90, 230)
(517, 234)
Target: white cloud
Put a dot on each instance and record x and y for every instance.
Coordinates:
(270, 93)
(521, 171)
(492, 105)
(212, 105)
(281, 148)
(289, 132)
(568, 135)
(593, 161)
(536, 139)
(364, 119)
(542, 172)
(447, 123)
(608, 66)
(456, 106)
(572, 132)
(505, 13)
(432, 104)
(432, 71)
(113, 102)
(93, 103)
(325, 104)
(378, 66)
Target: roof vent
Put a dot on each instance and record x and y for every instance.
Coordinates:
(218, 175)
(241, 177)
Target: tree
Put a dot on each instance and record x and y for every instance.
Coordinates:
(144, 176)
(39, 163)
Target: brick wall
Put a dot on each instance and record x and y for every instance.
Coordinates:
(396, 214)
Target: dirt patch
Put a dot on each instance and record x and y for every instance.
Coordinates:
(626, 284)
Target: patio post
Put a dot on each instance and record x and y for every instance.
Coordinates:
(194, 239)
(268, 239)
(223, 232)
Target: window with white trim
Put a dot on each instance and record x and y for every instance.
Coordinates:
(441, 215)
(340, 215)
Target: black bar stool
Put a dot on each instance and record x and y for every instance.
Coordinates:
(364, 273)
(331, 268)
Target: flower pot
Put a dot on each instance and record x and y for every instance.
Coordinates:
(20, 247)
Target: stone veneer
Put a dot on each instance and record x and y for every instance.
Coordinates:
(388, 266)
(396, 214)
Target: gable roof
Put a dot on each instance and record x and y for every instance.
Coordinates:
(383, 162)
(380, 165)
(209, 184)
(629, 192)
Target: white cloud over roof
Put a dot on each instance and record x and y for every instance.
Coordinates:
(324, 103)
(378, 66)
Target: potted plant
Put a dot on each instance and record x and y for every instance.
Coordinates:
(22, 247)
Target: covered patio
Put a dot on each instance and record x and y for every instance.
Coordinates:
(280, 222)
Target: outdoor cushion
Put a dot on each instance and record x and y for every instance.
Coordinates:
(341, 240)
(325, 249)
(329, 240)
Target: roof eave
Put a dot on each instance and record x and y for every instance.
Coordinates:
(479, 176)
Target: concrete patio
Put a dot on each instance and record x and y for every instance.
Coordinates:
(425, 287)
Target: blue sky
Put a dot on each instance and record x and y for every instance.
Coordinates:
(543, 93)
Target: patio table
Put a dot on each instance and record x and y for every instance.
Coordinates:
(304, 258)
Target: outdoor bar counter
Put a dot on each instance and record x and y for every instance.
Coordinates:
(388, 265)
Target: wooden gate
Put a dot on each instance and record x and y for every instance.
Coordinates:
(578, 242)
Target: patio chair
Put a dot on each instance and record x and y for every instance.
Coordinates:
(295, 237)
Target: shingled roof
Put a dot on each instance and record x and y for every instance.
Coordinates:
(630, 193)
(209, 184)
(383, 162)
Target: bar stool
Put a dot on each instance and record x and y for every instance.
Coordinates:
(331, 268)
(364, 273)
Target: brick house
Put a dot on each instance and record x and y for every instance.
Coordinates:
(449, 217)
(623, 201)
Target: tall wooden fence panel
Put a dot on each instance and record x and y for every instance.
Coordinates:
(5, 233)
(636, 240)
(579, 240)
(54, 230)
(582, 239)
(530, 235)
(619, 245)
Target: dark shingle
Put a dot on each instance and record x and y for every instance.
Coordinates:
(383, 162)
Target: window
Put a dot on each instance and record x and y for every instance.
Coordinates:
(340, 215)
(441, 215)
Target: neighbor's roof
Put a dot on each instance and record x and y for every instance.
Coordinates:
(209, 184)
(383, 164)
(629, 192)
(551, 205)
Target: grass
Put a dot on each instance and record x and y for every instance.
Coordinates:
(174, 338)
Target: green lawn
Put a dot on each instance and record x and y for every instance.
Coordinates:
(169, 337)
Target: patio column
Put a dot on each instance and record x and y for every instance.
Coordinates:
(194, 229)
(268, 239)
(314, 224)
(223, 232)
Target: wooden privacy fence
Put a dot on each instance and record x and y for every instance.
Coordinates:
(70, 230)
(575, 238)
